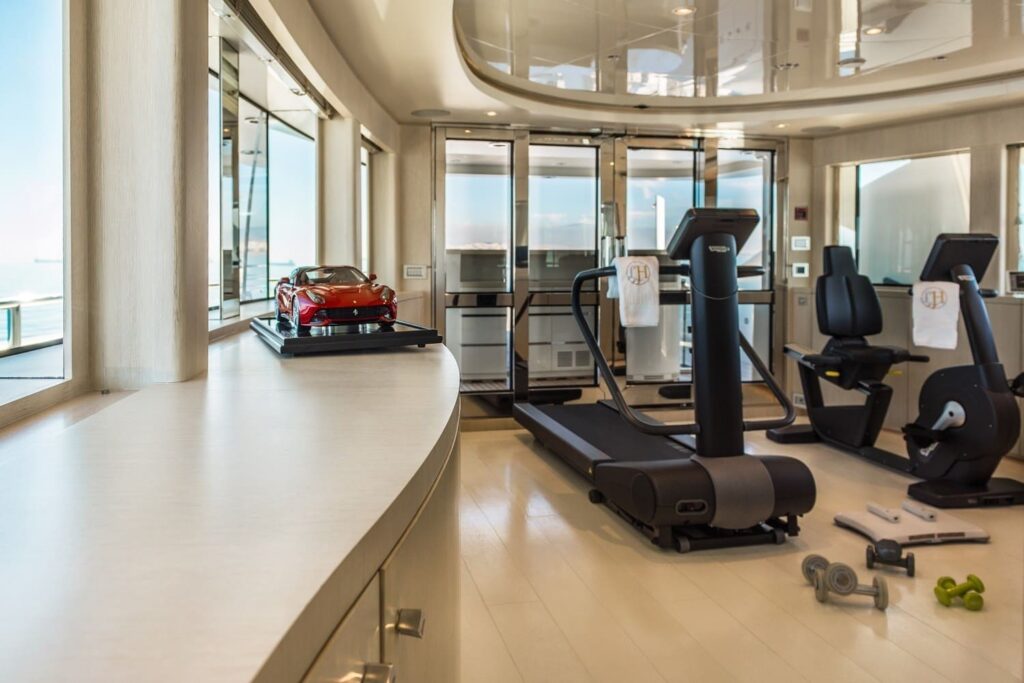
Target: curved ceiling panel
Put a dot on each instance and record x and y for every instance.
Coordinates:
(737, 55)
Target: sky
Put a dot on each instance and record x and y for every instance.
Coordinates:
(31, 131)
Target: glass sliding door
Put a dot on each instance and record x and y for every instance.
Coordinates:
(476, 183)
(563, 236)
(253, 202)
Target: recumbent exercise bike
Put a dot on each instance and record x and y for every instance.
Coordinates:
(968, 415)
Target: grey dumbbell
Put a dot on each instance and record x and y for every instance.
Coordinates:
(841, 579)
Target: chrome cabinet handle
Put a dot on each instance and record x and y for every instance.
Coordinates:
(410, 623)
(378, 673)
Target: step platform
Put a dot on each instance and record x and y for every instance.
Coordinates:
(341, 338)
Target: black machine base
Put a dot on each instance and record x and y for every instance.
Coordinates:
(805, 433)
(998, 491)
(793, 434)
(690, 538)
(283, 339)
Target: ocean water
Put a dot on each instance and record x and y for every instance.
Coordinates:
(26, 281)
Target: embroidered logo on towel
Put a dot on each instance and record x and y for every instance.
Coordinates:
(933, 298)
(638, 273)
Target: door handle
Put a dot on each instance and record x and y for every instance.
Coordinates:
(378, 673)
(410, 623)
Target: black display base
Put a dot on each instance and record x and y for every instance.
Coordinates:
(283, 339)
(948, 494)
(793, 434)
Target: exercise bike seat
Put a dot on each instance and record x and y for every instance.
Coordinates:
(849, 311)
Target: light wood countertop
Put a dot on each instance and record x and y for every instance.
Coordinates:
(216, 529)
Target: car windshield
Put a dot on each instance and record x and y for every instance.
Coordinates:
(333, 276)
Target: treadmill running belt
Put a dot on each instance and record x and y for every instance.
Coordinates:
(605, 429)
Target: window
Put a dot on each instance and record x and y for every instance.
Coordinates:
(902, 205)
(292, 174)
(32, 192)
(659, 190)
(563, 214)
(478, 215)
(365, 155)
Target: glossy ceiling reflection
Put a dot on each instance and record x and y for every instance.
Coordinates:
(710, 53)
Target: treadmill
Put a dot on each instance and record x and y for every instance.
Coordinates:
(713, 496)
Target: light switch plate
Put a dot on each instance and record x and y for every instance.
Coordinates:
(801, 269)
(414, 272)
(800, 243)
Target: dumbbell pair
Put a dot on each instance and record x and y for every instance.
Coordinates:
(947, 589)
(836, 577)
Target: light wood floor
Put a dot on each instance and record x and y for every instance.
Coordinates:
(557, 589)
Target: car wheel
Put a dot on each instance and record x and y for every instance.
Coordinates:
(297, 325)
(387, 324)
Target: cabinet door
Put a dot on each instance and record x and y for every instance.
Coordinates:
(423, 574)
(354, 644)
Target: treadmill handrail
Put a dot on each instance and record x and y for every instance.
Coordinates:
(625, 410)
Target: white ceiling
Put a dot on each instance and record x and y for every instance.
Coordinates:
(755, 65)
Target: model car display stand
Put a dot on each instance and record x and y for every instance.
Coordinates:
(282, 338)
(913, 524)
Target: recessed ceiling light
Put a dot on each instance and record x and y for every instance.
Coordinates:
(431, 113)
(786, 66)
(683, 11)
(853, 61)
(492, 113)
(940, 58)
(873, 30)
(613, 57)
(781, 125)
(467, 131)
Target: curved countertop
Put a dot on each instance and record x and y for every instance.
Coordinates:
(216, 529)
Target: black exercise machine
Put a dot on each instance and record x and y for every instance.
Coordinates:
(848, 311)
(716, 496)
(968, 415)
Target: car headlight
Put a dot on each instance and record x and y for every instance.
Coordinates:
(314, 297)
(386, 295)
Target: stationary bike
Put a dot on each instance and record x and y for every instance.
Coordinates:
(968, 415)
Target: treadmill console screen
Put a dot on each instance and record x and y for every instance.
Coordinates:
(954, 249)
(740, 223)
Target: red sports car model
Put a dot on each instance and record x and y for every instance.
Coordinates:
(320, 296)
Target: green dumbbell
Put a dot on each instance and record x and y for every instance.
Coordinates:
(947, 588)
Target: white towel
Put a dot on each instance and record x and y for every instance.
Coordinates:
(936, 314)
(637, 278)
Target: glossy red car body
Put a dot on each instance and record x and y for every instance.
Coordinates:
(321, 296)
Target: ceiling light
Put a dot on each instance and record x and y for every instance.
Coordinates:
(298, 92)
(467, 131)
(780, 125)
(853, 61)
(683, 11)
(492, 113)
(939, 58)
(786, 66)
(431, 113)
(873, 30)
(499, 145)
(613, 57)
